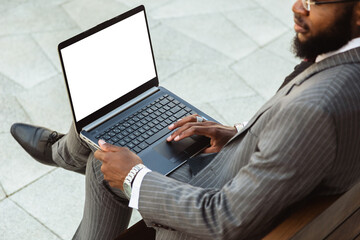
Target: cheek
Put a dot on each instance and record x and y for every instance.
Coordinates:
(323, 18)
(316, 25)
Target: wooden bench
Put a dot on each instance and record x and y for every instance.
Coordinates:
(330, 218)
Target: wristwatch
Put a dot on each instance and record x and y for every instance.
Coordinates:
(130, 178)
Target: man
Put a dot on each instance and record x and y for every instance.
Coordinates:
(304, 141)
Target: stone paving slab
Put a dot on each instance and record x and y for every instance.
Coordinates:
(237, 110)
(282, 47)
(25, 64)
(49, 41)
(2, 193)
(150, 5)
(213, 30)
(55, 200)
(281, 9)
(36, 16)
(89, 13)
(264, 72)
(192, 84)
(170, 44)
(9, 87)
(181, 8)
(11, 111)
(6, 5)
(47, 104)
(258, 24)
(17, 169)
(15, 223)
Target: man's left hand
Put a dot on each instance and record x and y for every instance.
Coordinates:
(116, 163)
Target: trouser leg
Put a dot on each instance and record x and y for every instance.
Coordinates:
(70, 152)
(106, 212)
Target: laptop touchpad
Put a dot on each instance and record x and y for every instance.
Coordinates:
(174, 150)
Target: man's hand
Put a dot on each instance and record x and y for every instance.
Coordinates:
(116, 163)
(188, 126)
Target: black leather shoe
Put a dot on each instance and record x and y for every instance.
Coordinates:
(36, 141)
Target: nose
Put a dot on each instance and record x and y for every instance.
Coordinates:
(298, 8)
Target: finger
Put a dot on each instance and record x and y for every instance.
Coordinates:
(206, 131)
(107, 147)
(181, 122)
(211, 149)
(176, 133)
(100, 155)
(193, 129)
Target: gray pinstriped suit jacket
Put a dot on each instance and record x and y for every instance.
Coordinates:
(306, 139)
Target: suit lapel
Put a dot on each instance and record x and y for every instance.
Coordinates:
(348, 57)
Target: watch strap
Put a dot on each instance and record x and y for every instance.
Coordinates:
(130, 178)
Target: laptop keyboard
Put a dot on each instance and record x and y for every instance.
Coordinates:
(147, 125)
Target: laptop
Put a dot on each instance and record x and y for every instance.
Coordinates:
(114, 93)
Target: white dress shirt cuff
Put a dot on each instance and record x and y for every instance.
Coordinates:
(240, 126)
(135, 190)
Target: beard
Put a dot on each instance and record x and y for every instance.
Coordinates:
(328, 40)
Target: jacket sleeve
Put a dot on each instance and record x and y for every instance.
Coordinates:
(293, 152)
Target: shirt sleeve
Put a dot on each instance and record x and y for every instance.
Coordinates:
(134, 198)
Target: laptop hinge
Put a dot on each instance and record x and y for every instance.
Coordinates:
(120, 109)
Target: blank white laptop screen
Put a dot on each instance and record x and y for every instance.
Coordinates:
(108, 64)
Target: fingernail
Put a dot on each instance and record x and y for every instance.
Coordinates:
(171, 126)
(176, 138)
(169, 139)
(179, 119)
(101, 142)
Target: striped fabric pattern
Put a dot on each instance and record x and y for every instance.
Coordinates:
(305, 140)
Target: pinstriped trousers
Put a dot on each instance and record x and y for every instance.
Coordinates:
(106, 212)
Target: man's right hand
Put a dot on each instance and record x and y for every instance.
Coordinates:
(188, 126)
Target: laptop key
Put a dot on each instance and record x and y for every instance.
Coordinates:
(175, 109)
(137, 149)
(130, 145)
(140, 139)
(160, 119)
(143, 145)
(158, 135)
(180, 114)
(164, 102)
